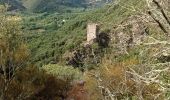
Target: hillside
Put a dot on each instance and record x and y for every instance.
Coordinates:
(14, 4)
(51, 37)
(135, 44)
(53, 5)
(86, 50)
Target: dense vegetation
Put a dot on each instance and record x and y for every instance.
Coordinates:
(60, 6)
(51, 35)
(43, 57)
(19, 79)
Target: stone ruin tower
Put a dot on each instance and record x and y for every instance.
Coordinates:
(92, 32)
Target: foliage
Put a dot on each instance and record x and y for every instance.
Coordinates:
(18, 79)
(32, 83)
(134, 75)
(61, 6)
(13, 4)
(65, 72)
(50, 35)
(115, 82)
(13, 52)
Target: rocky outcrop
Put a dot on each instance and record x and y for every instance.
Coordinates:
(130, 33)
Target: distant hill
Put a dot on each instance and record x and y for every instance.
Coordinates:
(52, 35)
(52, 5)
(13, 4)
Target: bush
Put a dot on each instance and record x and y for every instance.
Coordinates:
(63, 72)
(115, 81)
(34, 84)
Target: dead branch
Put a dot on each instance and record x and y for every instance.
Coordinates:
(100, 86)
(158, 22)
(162, 11)
(151, 77)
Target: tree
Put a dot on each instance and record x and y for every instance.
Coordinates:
(13, 52)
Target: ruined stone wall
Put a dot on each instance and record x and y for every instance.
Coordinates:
(91, 32)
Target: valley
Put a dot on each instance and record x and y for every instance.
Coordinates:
(84, 50)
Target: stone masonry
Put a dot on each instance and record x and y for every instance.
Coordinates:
(92, 31)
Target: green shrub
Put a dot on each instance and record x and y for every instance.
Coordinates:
(63, 71)
(34, 84)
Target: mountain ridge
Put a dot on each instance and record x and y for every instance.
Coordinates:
(52, 5)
